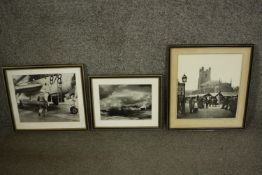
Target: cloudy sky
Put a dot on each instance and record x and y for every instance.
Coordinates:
(119, 95)
(226, 67)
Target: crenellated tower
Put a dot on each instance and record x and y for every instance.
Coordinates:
(204, 76)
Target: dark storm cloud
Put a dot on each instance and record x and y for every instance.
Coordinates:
(119, 95)
(140, 88)
(106, 90)
(132, 100)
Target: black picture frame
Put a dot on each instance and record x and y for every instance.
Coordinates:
(134, 77)
(83, 119)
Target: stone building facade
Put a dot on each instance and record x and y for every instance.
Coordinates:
(206, 85)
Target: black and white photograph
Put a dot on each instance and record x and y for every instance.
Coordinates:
(125, 102)
(46, 98)
(209, 86)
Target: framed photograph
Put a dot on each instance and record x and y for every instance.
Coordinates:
(48, 97)
(208, 86)
(126, 101)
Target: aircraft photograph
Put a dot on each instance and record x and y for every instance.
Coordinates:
(46, 97)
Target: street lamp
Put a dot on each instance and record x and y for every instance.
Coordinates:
(184, 80)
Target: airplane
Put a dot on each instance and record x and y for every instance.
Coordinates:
(53, 88)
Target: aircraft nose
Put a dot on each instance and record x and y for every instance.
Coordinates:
(73, 83)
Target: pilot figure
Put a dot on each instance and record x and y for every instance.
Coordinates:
(45, 91)
(42, 106)
(43, 101)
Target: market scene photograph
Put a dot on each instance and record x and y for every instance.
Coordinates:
(209, 88)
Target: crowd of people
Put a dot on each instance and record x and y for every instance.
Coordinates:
(227, 103)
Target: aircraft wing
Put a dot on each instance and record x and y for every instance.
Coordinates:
(28, 88)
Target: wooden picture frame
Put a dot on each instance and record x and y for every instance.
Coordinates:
(47, 97)
(208, 86)
(126, 101)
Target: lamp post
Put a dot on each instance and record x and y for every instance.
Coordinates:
(184, 80)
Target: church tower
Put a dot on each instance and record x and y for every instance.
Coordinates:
(204, 76)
